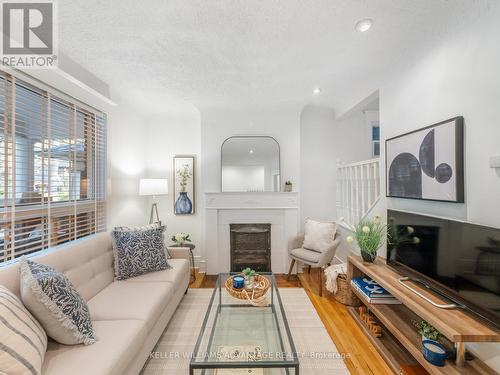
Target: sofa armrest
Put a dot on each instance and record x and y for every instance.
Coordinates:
(179, 252)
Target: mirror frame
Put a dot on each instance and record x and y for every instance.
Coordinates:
(250, 136)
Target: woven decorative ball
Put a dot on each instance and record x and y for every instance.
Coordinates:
(261, 286)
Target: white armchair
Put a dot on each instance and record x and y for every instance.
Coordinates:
(312, 258)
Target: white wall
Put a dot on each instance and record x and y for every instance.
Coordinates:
(166, 135)
(460, 77)
(317, 164)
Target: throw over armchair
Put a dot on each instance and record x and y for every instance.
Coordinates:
(318, 258)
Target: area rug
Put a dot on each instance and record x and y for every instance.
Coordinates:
(315, 349)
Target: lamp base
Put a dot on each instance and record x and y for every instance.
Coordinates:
(154, 212)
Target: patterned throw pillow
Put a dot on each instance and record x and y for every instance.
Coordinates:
(138, 251)
(53, 300)
(23, 341)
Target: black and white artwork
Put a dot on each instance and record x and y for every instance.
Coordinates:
(427, 163)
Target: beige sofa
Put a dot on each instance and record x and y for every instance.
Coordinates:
(128, 316)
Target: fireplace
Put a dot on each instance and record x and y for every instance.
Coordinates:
(250, 246)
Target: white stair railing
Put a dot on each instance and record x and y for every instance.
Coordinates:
(358, 189)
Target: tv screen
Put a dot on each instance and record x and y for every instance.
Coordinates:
(460, 259)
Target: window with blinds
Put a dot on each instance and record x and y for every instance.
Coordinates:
(52, 169)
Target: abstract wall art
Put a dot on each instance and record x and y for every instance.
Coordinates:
(427, 163)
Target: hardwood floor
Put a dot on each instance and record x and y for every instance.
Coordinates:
(363, 358)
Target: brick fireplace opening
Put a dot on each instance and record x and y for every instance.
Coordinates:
(250, 247)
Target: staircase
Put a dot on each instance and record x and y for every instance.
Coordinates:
(358, 189)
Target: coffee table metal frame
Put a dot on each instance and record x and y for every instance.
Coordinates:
(292, 363)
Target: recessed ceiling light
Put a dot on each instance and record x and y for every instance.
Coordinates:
(317, 91)
(251, 151)
(364, 25)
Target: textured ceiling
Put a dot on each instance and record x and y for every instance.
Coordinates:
(231, 53)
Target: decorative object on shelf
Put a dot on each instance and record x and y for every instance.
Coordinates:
(153, 187)
(427, 331)
(238, 282)
(372, 292)
(370, 321)
(257, 296)
(411, 160)
(249, 276)
(434, 352)
(184, 189)
(288, 186)
(181, 238)
(369, 234)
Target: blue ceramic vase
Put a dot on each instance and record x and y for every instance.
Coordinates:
(183, 205)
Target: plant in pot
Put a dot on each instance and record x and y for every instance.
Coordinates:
(432, 343)
(249, 275)
(427, 331)
(288, 186)
(369, 234)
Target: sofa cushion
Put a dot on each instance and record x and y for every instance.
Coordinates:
(53, 300)
(126, 300)
(309, 256)
(138, 251)
(22, 339)
(120, 342)
(174, 275)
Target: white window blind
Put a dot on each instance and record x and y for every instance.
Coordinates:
(52, 169)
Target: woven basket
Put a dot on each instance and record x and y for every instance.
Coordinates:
(262, 286)
(344, 293)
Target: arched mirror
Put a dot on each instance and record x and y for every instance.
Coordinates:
(250, 163)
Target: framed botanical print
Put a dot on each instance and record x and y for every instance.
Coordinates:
(184, 189)
(427, 163)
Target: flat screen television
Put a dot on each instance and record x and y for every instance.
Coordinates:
(458, 259)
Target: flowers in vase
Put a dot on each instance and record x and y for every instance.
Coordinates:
(181, 238)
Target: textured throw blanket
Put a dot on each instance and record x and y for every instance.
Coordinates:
(331, 276)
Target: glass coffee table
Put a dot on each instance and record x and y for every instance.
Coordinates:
(239, 338)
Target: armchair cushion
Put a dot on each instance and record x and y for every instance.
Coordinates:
(319, 236)
(304, 255)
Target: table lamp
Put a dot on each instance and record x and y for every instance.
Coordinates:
(153, 187)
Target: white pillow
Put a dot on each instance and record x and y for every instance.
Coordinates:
(319, 236)
(22, 338)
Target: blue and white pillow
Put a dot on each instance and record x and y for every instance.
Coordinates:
(53, 300)
(138, 251)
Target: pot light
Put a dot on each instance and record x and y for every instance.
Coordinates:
(251, 152)
(317, 91)
(364, 25)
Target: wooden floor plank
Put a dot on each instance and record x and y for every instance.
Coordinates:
(363, 358)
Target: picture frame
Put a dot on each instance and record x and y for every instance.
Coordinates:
(184, 176)
(427, 163)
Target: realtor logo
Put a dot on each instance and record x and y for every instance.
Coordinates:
(28, 34)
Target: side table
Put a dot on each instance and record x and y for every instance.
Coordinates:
(190, 246)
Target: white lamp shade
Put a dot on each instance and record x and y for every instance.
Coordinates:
(153, 186)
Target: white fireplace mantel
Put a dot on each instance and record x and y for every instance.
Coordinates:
(251, 200)
(281, 210)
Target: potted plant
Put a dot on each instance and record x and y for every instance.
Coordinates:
(369, 234)
(432, 346)
(181, 238)
(427, 331)
(249, 275)
(288, 186)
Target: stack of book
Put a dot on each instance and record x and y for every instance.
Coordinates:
(372, 292)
